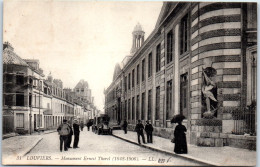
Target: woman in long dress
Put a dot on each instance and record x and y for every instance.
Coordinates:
(180, 139)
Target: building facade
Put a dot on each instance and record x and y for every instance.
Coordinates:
(22, 93)
(32, 103)
(197, 63)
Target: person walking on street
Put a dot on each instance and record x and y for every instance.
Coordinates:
(76, 134)
(180, 146)
(88, 125)
(64, 131)
(139, 128)
(81, 125)
(149, 131)
(70, 135)
(125, 126)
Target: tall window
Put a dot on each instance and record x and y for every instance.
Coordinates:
(133, 108)
(19, 99)
(254, 76)
(137, 74)
(125, 115)
(169, 46)
(251, 75)
(129, 111)
(8, 100)
(137, 107)
(252, 87)
(150, 64)
(9, 78)
(149, 104)
(143, 106)
(184, 94)
(30, 99)
(19, 80)
(39, 120)
(45, 90)
(184, 34)
(158, 58)
(129, 80)
(143, 69)
(19, 120)
(133, 78)
(157, 103)
(121, 111)
(168, 99)
(121, 83)
(125, 82)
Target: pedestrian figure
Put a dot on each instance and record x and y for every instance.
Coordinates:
(139, 129)
(81, 125)
(149, 131)
(88, 125)
(76, 134)
(70, 135)
(64, 131)
(179, 135)
(125, 126)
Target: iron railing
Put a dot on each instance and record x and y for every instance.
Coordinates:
(245, 121)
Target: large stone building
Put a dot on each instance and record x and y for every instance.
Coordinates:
(199, 61)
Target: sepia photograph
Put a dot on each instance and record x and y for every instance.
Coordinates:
(142, 83)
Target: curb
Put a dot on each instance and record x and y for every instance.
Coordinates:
(30, 149)
(8, 136)
(206, 163)
(50, 132)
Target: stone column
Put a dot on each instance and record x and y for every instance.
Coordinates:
(162, 83)
(176, 72)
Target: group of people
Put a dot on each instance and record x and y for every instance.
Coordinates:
(139, 128)
(180, 146)
(66, 131)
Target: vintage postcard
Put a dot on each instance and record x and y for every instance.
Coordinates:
(166, 83)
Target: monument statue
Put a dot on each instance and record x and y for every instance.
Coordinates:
(209, 92)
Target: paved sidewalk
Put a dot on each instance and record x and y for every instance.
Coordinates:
(218, 156)
(18, 146)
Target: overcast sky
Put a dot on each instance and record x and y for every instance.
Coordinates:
(77, 40)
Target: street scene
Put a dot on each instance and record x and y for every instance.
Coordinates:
(91, 150)
(129, 83)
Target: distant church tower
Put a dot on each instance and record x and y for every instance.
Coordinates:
(138, 38)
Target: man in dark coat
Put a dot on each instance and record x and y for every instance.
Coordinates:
(76, 134)
(149, 131)
(139, 129)
(125, 126)
(70, 135)
(64, 131)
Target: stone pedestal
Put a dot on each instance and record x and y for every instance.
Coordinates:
(208, 133)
